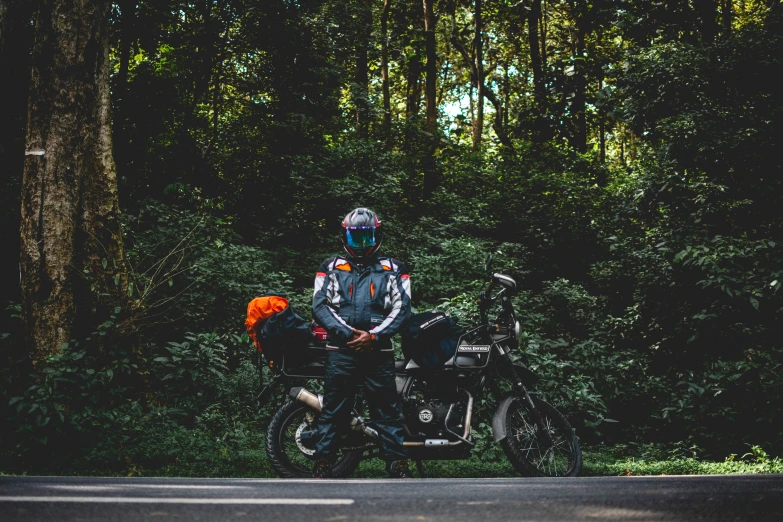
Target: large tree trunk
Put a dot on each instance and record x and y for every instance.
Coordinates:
(601, 111)
(542, 26)
(385, 69)
(120, 91)
(431, 71)
(478, 123)
(707, 10)
(726, 16)
(578, 104)
(72, 254)
(361, 94)
(537, 65)
(127, 22)
(430, 95)
(413, 86)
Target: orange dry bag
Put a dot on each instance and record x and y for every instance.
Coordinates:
(259, 310)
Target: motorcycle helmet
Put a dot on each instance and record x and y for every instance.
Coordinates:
(361, 234)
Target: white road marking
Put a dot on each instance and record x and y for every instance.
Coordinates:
(164, 500)
(150, 486)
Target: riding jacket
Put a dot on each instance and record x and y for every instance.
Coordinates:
(374, 297)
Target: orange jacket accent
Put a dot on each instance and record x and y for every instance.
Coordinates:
(345, 267)
(259, 310)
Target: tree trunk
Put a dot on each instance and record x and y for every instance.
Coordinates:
(3, 21)
(601, 111)
(119, 93)
(622, 147)
(506, 96)
(471, 105)
(706, 10)
(430, 90)
(578, 104)
(127, 22)
(72, 256)
(385, 69)
(536, 64)
(430, 95)
(478, 123)
(726, 16)
(601, 126)
(361, 94)
(413, 89)
(543, 34)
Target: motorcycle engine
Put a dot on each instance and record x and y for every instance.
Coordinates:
(426, 408)
(427, 418)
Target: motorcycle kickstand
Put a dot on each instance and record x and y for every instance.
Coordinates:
(420, 468)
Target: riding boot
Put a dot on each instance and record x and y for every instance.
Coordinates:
(322, 468)
(399, 469)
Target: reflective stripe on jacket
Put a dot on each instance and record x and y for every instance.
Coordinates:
(375, 298)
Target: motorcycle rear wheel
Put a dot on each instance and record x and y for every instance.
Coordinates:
(531, 452)
(288, 457)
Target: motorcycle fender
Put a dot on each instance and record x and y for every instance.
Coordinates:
(499, 419)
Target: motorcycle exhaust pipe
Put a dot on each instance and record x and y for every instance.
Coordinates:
(316, 402)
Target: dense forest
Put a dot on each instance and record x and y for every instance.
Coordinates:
(619, 158)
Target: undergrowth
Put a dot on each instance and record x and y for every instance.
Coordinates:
(189, 453)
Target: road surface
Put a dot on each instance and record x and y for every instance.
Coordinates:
(712, 498)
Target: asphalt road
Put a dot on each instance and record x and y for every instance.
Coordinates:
(713, 498)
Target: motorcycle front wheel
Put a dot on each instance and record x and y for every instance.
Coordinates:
(531, 451)
(289, 457)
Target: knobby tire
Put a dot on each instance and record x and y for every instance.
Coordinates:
(528, 451)
(285, 456)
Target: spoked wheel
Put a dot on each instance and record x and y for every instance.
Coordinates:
(549, 452)
(288, 454)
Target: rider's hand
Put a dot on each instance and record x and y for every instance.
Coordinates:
(361, 341)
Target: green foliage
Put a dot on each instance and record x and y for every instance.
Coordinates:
(193, 368)
(192, 273)
(444, 271)
(674, 459)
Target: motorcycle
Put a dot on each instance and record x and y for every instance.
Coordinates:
(438, 405)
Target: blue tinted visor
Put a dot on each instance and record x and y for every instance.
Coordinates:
(360, 237)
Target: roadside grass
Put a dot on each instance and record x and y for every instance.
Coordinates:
(617, 460)
(183, 457)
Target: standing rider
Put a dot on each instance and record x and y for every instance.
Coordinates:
(361, 300)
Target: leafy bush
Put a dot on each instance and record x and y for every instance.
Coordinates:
(193, 369)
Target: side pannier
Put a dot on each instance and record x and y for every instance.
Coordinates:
(430, 339)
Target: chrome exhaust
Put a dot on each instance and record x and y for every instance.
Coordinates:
(316, 402)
